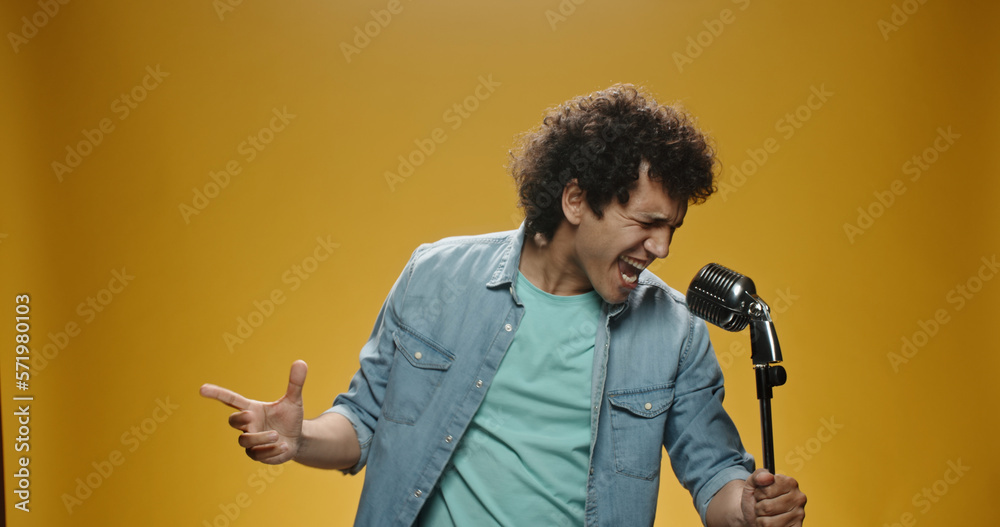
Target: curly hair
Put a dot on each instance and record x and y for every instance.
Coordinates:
(600, 140)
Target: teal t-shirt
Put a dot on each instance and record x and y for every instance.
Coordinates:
(525, 457)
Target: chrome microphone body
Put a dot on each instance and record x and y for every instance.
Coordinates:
(729, 300)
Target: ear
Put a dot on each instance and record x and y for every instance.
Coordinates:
(573, 202)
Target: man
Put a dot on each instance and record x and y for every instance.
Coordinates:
(534, 377)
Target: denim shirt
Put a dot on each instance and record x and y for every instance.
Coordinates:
(438, 341)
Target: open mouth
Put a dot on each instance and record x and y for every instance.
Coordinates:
(630, 269)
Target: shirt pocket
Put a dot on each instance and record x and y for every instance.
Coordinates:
(638, 418)
(418, 367)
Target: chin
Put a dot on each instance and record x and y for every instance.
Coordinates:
(616, 296)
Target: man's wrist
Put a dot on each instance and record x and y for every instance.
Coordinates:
(328, 441)
(726, 507)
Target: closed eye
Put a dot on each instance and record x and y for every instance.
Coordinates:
(657, 223)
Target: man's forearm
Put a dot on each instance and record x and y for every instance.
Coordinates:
(724, 509)
(328, 441)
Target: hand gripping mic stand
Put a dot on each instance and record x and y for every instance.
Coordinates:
(728, 299)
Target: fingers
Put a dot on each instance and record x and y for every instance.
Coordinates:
(780, 502)
(225, 396)
(258, 439)
(778, 485)
(263, 447)
(793, 518)
(242, 421)
(296, 379)
(780, 505)
(270, 454)
(761, 478)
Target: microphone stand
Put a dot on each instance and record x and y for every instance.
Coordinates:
(765, 353)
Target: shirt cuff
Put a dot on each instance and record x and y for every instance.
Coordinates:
(364, 435)
(715, 484)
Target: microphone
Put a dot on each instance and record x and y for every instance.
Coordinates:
(720, 296)
(729, 300)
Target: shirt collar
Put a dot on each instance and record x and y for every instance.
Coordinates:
(506, 271)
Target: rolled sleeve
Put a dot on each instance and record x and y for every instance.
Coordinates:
(714, 485)
(364, 435)
(702, 441)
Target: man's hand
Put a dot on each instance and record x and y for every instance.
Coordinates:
(272, 432)
(772, 500)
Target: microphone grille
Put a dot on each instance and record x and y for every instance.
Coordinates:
(715, 295)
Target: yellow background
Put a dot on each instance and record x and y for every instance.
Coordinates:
(843, 303)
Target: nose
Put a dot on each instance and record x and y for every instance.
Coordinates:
(658, 242)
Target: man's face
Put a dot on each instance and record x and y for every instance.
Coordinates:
(613, 250)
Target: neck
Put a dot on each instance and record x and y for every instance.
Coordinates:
(551, 265)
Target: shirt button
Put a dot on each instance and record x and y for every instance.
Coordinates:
(508, 327)
(417, 493)
(447, 439)
(418, 355)
(648, 406)
(479, 383)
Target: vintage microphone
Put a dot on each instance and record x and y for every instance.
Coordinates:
(729, 300)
